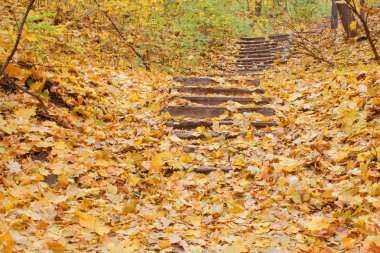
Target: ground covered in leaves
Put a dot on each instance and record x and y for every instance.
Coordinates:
(107, 176)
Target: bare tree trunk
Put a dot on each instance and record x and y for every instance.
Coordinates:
(347, 17)
(258, 7)
(362, 3)
(364, 22)
(334, 15)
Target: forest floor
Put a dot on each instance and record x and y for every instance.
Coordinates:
(108, 176)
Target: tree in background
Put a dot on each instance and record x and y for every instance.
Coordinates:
(347, 18)
(360, 14)
(334, 15)
(258, 7)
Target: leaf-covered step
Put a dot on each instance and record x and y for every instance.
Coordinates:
(203, 112)
(220, 91)
(250, 71)
(257, 44)
(190, 81)
(188, 124)
(280, 37)
(257, 65)
(253, 48)
(205, 100)
(270, 55)
(253, 51)
(197, 136)
(256, 59)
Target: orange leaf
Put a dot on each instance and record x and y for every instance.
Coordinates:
(13, 70)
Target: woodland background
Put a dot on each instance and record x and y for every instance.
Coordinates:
(100, 172)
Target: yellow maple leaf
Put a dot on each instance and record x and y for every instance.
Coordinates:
(159, 160)
(164, 244)
(7, 242)
(195, 220)
(286, 164)
(26, 113)
(134, 97)
(37, 86)
(130, 206)
(317, 223)
(235, 248)
(353, 25)
(10, 127)
(56, 247)
(92, 223)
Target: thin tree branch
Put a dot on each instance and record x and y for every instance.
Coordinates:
(38, 98)
(8, 60)
(130, 45)
(316, 57)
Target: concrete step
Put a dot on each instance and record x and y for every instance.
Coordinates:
(197, 136)
(195, 81)
(186, 124)
(280, 37)
(219, 91)
(259, 65)
(203, 112)
(257, 59)
(204, 100)
(259, 55)
(225, 75)
(250, 51)
(249, 73)
(252, 68)
(259, 47)
(257, 43)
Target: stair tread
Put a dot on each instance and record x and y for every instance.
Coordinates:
(188, 124)
(212, 111)
(195, 135)
(222, 99)
(254, 59)
(195, 81)
(271, 38)
(261, 50)
(217, 90)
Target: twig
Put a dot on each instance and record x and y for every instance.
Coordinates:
(317, 58)
(39, 99)
(8, 60)
(130, 45)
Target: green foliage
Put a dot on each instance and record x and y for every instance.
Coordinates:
(309, 10)
(190, 28)
(171, 34)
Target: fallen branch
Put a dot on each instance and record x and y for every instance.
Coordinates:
(318, 58)
(130, 45)
(315, 52)
(12, 83)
